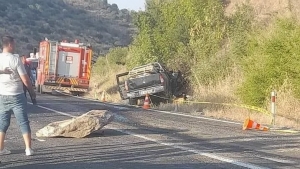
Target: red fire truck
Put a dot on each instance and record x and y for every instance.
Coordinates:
(64, 66)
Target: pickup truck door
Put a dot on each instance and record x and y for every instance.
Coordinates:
(121, 85)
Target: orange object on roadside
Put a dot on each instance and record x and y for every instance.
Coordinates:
(250, 124)
(146, 102)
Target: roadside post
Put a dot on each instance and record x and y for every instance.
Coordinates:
(273, 106)
(95, 92)
(176, 106)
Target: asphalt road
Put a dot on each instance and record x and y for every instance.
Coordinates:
(147, 139)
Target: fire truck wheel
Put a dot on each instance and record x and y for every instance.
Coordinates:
(41, 89)
(37, 88)
(75, 93)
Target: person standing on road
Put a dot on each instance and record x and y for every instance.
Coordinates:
(28, 71)
(12, 98)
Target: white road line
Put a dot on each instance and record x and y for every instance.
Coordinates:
(209, 155)
(278, 160)
(197, 117)
(165, 112)
(62, 113)
(120, 108)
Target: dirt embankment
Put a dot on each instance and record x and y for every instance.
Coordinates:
(266, 9)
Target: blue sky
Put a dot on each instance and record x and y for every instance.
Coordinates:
(129, 4)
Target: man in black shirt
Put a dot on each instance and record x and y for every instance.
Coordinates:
(27, 68)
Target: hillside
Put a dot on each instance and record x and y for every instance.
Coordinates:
(265, 10)
(93, 21)
(227, 53)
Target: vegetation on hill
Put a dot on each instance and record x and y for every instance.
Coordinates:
(93, 21)
(238, 56)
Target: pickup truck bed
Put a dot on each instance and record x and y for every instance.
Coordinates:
(144, 81)
(150, 79)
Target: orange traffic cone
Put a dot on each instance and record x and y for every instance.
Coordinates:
(103, 97)
(146, 102)
(250, 124)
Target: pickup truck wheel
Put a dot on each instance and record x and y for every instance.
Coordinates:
(132, 101)
(156, 101)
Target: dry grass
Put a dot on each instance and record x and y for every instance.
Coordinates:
(262, 8)
(219, 112)
(265, 10)
(233, 113)
(106, 83)
(223, 92)
(287, 106)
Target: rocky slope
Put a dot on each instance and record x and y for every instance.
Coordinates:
(94, 21)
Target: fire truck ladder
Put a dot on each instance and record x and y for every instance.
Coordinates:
(52, 60)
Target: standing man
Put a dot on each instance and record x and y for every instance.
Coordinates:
(12, 98)
(28, 71)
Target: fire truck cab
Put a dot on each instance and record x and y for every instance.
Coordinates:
(64, 66)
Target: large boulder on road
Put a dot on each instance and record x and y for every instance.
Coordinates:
(77, 127)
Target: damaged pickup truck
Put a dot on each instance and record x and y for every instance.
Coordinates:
(153, 79)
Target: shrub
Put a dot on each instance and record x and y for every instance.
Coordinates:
(272, 59)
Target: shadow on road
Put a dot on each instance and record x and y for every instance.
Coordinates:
(112, 149)
(131, 155)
